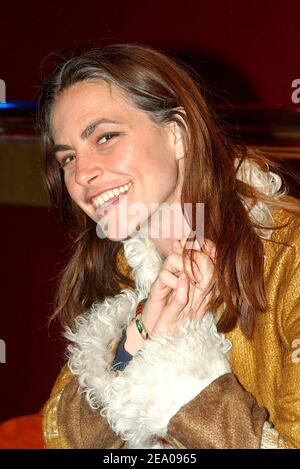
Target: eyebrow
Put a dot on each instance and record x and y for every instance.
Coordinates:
(86, 133)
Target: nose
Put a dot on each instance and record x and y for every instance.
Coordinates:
(87, 169)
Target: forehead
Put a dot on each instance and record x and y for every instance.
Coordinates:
(83, 102)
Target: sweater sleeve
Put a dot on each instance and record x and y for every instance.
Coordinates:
(287, 420)
(122, 357)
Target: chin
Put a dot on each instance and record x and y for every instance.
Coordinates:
(122, 232)
(103, 233)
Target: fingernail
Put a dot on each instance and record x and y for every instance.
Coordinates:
(196, 245)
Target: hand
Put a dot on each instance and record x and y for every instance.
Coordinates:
(176, 297)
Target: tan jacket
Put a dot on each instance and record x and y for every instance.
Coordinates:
(237, 410)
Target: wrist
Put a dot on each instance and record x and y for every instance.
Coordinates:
(134, 341)
(148, 319)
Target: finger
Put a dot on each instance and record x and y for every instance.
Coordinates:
(168, 279)
(206, 268)
(196, 275)
(209, 248)
(203, 245)
(177, 246)
(199, 305)
(204, 262)
(181, 296)
(187, 312)
(175, 264)
(162, 287)
(191, 244)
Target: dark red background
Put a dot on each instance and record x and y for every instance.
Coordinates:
(248, 49)
(33, 249)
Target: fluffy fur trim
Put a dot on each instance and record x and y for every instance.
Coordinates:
(145, 260)
(267, 183)
(95, 332)
(163, 376)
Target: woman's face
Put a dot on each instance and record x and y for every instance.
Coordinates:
(115, 158)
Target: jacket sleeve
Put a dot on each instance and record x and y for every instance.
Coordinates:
(223, 416)
(68, 419)
(191, 402)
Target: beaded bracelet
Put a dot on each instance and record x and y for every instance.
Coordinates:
(140, 327)
(140, 306)
(138, 320)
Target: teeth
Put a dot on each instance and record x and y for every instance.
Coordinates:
(98, 201)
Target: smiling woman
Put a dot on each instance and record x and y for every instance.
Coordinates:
(121, 152)
(151, 319)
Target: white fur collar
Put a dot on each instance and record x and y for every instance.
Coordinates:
(167, 373)
(266, 182)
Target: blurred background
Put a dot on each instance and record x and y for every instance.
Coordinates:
(247, 54)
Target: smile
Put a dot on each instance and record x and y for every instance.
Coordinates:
(109, 196)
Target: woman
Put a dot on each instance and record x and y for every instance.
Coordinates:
(126, 127)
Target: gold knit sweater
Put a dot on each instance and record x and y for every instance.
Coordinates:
(268, 365)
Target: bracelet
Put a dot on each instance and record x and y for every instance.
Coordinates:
(140, 306)
(138, 320)
(140, 326)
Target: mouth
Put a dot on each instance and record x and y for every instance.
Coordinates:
(110, 197)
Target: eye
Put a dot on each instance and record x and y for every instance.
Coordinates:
(66, 160)
(107, 137)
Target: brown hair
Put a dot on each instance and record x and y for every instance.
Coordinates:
(164, 89)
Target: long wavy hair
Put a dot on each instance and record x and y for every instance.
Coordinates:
(167, 91)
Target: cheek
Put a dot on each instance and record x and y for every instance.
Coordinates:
(155, 161)
(71, 189)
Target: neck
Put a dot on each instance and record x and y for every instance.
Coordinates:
(165, 226)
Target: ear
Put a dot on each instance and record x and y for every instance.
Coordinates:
(176, 137)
